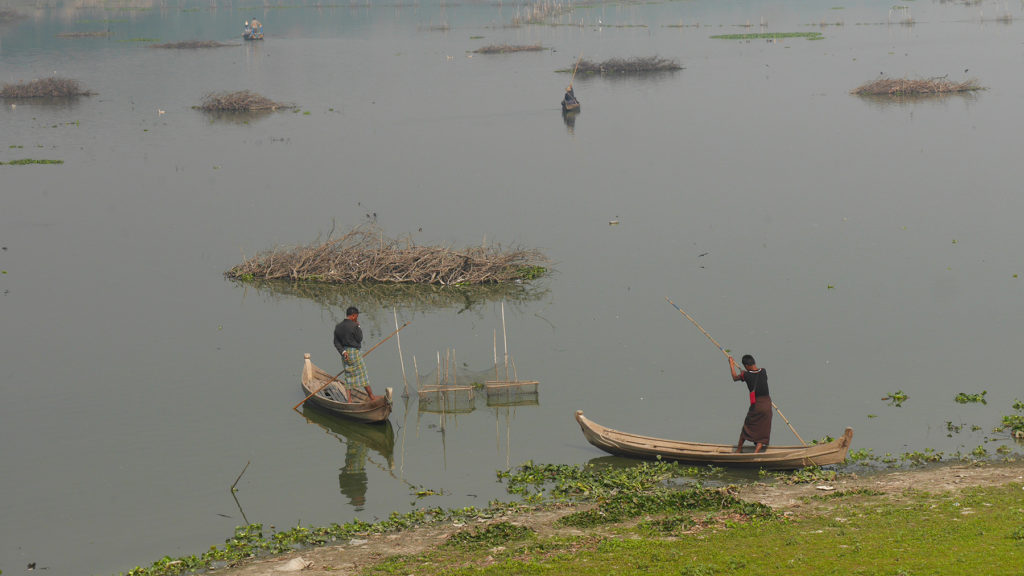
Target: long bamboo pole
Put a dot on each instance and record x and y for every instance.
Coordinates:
(338, 375)
(729, 356)
(398, 339)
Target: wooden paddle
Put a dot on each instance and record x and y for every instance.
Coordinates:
(338, 375)
(729, 356)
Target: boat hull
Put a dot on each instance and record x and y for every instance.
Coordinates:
(773, 458)
(362, 408)
(567, 108)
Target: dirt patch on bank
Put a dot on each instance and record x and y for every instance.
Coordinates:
(350, 557)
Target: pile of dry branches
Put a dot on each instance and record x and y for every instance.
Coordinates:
(364, 254)
(45, 88)
(626, 66)
(506, 48)
(191, 44)
(242, 101)
(908, 87)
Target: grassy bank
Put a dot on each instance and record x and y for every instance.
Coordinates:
(978, 531)
(659, 518)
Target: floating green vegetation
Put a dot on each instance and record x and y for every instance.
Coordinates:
(490, 536)
(863, 454)
(963, 398)
(919, 458)
(803, 475)
(25, 161)
(1014, 422)
(896, 398)
(530, 272)
(589, 481)
(770, 36)
(508, 48)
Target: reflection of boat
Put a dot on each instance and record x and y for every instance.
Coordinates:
(362, 407)
(380, 439)
(774, 457)
(359, 440)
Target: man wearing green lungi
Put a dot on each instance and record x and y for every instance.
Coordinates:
(348, 339)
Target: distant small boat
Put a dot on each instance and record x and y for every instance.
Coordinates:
(567, 107)
(773, 458)
(361, 408)
(253, 31)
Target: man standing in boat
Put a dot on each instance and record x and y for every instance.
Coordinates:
(757, 426)
(348, 339)
(570, 96)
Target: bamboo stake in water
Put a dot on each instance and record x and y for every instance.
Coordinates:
(504, 335)
(495, 353)
(398, 338)
(416, 372)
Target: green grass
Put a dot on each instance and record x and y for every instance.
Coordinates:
(980, 531)
(770, 36)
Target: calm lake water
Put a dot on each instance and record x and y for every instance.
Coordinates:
(855, 247)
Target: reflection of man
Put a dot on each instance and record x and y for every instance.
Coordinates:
(352, 481)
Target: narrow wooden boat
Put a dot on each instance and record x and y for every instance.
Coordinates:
(773, 458)
(331, 398)
(566, 107)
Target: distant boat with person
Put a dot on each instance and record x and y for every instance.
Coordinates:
(252, 30)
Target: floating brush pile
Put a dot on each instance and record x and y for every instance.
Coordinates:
(191, 45)
(99, 34)
(241, 101)
(643, 65)
(45, 88)
(911, 87)
(508, 48)
(364, 254)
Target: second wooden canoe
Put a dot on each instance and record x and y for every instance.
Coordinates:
(773, 458)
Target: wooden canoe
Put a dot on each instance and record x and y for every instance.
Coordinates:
(773, 458)
(331, 398)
